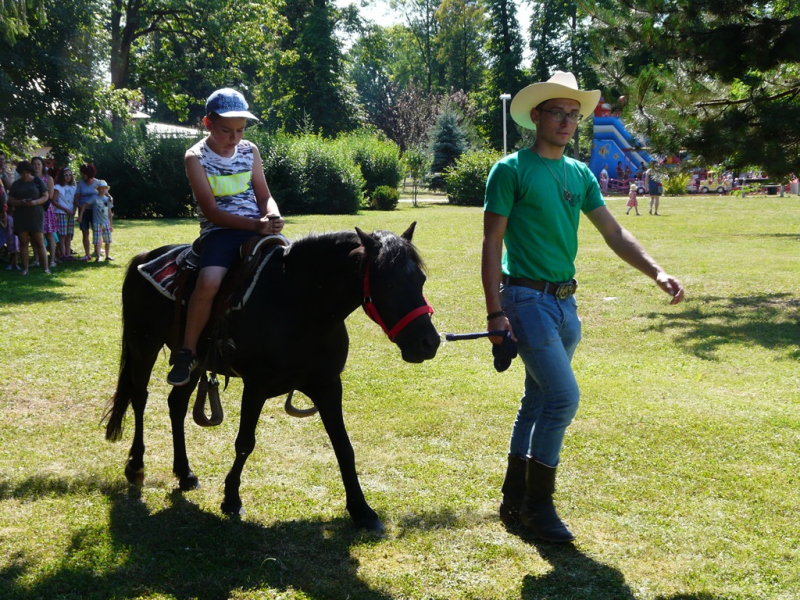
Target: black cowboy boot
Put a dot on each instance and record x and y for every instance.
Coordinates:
(538, 513)
(513, 490)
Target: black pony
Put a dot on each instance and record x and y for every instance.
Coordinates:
(290, 335)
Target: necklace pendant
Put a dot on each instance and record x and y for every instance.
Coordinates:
(567, 197)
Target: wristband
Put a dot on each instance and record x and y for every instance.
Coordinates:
(499, 313)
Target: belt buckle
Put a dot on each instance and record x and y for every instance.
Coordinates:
(565, 290)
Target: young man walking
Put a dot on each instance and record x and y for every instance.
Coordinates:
(533, 203)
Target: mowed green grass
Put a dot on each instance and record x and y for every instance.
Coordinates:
(679, 475)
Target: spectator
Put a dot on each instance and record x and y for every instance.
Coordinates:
(5, 179)
(28, 195)
(7, 232)
(86, 191)
(101, 206)
(652, 180)
(604, 179)
(49, 224)
(64, 199)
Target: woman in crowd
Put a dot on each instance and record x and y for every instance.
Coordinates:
(87, 190)
(49, 224)
(28, 195)
(64, 199)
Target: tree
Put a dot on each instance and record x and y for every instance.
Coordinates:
(417, 161)
(14, 17)
(720, 80)
(49, 83)
(448, 142)
(369, 69)
(412, 115)
(309, 83)
(179, 52)
(420, 16)
(504, 74)
(461, 38)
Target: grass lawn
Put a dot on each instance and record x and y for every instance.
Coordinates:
(679, 476)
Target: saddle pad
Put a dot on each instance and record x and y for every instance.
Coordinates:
(164, 270)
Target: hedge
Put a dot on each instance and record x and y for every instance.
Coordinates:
(466, 180)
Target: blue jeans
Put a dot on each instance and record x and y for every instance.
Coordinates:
(548, 331)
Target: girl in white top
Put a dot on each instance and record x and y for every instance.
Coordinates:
(64, 202)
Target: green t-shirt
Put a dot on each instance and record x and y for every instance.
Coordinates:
(541, 239)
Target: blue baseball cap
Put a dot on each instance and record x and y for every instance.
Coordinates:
(228, 102)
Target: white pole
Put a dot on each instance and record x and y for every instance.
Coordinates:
(505, 97)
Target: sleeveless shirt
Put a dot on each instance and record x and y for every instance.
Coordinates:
(231, 181)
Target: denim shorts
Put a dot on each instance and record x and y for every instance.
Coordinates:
(221, 247)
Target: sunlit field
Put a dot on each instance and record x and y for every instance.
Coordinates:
(679, 475)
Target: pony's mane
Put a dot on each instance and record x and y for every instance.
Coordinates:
(331, 243)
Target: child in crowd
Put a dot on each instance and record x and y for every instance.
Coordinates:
(64, 200)
(101, 218)
(7, 233)
(632, 201)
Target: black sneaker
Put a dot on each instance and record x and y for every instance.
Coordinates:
(183, 365)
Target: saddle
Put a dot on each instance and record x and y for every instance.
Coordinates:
(174, 274)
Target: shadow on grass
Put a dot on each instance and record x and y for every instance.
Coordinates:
(184, 552)
(576, 576)
(37, 287)
(16, 289)
(771, 321)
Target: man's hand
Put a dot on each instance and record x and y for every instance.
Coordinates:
(499, 323)
(670, 285)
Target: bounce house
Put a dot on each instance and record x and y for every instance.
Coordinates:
(614, 145)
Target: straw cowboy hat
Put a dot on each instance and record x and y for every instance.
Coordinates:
(560, 85)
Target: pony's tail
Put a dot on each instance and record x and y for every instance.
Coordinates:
(118, 404)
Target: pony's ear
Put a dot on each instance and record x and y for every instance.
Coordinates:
(369, 243)
(409, 233)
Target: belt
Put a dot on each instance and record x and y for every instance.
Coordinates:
(559, 290)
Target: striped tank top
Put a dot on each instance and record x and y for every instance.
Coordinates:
(231, 181)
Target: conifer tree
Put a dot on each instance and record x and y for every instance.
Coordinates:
(448, 142)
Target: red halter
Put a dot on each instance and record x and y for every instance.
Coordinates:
(372, 311)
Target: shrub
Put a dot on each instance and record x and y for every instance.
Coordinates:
(308, 175)
(385, 198)
(378, 159)
(146, 173)
(466, 181)
(675, 184)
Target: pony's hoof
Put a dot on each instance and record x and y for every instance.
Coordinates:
(189, 482)
(134, 476)
(232, 509)
(372, 525)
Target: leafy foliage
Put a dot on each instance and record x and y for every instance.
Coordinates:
(48, 84)
(466, 180)
(721, 80)
(15, 16)
(675, 184)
